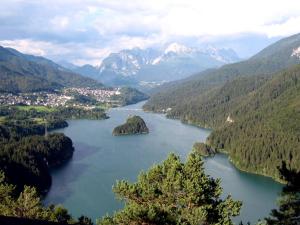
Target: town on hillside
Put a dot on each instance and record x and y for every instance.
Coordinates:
(67, 97)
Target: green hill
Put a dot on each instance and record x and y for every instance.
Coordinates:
(24, 73)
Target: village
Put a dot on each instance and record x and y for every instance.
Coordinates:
(59, 98)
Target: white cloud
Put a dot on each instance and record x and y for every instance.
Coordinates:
(76, 53)
(214, 17)
(289, 27)
(99, 27)
(26, 46)
(128, 42)
(60, 22)
(193, 17)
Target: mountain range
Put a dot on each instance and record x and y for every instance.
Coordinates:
(253, 107)
(24, 73)
(154, 66)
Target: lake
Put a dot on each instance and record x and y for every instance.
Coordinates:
(84, 184)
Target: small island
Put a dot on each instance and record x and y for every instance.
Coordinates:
(133, 125)
(203, 149)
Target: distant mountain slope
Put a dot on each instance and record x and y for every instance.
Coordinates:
(176, 95)
(175, 61)
(172, 63)
(22, 73)
(85, 70)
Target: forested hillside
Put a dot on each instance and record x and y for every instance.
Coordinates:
(24, 73)
(213, 107)
(253, 108)
(31, 157)
(266, 127)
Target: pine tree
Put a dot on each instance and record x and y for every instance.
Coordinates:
(28, 204)
(6, 200)
(289, 201)
(174, 193)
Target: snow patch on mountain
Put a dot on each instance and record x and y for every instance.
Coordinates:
(157, 60)
(177, 48)
(296, 52)
(222, 55)
(175, 61)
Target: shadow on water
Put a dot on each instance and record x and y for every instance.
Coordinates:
(62, 189)
(66, 174)
(83, 150)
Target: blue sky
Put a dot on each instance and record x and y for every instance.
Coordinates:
(87, 31)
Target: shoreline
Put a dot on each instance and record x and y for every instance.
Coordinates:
(220, 152)
(247, 171)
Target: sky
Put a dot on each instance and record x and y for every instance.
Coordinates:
(86, 31)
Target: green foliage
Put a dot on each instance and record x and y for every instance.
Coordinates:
(31, 114)
(203, 149)
(35, 108)
(5, 195)
(133, 125)
(174, 193)
(60, 214)
(28, 204)
(289, 201)
(83, 220)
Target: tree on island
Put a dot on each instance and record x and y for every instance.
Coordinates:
(173, 193)
(133, 125)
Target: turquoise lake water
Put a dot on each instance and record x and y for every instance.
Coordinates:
(84, 184)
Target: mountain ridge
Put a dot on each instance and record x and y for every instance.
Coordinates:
(174, 61)
(25, 73)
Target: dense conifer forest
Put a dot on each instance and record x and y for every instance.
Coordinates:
(266, 127)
